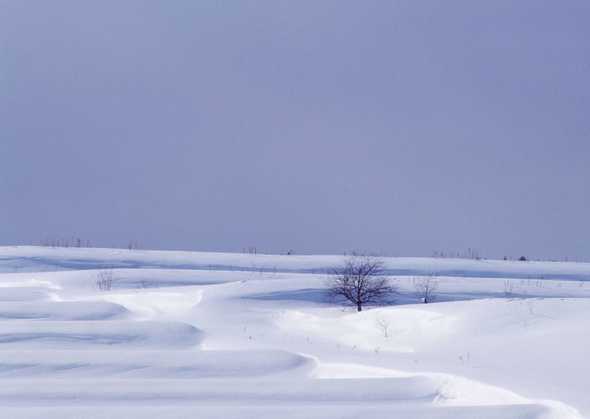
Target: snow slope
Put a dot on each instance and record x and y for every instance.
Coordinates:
(181, 334)
(31, 258)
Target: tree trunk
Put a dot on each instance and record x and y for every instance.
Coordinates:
(359, 307)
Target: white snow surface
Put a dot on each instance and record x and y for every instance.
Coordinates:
(191, 334)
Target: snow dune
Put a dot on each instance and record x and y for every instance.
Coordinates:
(285, 411)
(401, 397)
(24, 294)
(142, 364)
(64, 310)
(103, 334)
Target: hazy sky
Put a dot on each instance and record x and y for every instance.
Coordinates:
(399, 127)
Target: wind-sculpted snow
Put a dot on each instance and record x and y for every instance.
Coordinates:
(409, 328)
(140, 364)
(282, 411)
(106, 333)
(101, 334)
(45, 283)
(411, 397)
(64, 310)
(24, 294)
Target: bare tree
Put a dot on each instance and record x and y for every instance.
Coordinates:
(360, 281)
(426, 288)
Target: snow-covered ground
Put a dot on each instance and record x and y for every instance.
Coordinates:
(211, 335)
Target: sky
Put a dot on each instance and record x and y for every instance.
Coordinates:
(397, 127)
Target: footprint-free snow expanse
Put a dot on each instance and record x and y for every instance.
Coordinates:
(105, 333)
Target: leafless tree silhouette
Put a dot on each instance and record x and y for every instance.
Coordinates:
(360, 281)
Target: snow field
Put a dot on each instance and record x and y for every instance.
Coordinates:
(180, 334)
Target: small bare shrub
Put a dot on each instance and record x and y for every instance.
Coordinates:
(383, 325)
(508, 288)
(426, 288)
(104, 280)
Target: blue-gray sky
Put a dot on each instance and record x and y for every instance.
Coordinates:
(399, 127)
